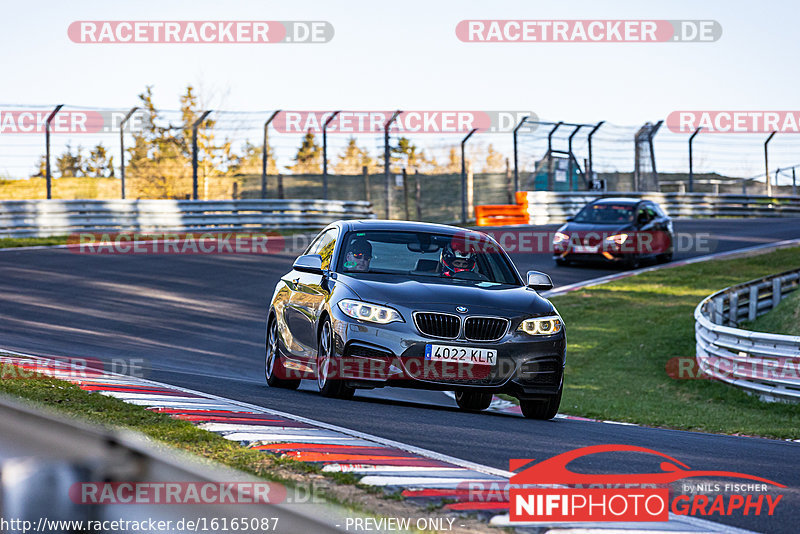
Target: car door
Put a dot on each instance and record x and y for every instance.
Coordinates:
(310, 291)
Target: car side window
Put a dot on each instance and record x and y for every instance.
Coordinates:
(324, 246)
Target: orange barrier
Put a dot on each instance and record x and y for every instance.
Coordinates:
(501, 215)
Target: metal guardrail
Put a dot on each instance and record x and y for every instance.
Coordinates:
(42, 456)
(42, 218)
(760, 363)
(547, 207)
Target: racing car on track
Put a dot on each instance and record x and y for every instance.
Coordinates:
(622, 231)
(391, 303)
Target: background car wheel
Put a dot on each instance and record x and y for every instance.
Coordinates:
(326, 366)
(473, 401)
(272, 363)
(541, 409)
(633, 263)
(664, 258)
(561, 262)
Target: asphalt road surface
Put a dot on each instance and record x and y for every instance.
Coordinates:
(198, 322)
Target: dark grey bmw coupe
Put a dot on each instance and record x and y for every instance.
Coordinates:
(392, 303)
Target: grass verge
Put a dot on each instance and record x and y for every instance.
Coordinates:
(622, 334)
(784, 319)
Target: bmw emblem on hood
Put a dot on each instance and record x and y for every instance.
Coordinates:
(461, 309)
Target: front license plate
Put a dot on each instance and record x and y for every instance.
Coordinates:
(586, 249)
(471, 355)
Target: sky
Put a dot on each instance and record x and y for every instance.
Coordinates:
(406, 55)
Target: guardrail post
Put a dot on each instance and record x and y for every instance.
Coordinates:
(325, 155)
(516, 166)
(464, 177)
(405, 193)
(194, 152)
(718, 307)
(366, 182)
(386, 162)
(766, 163)
(265, 154)
(691, 159)
(47, 148)
(752, 304)
(794, 184)
(733, 309)
(776, 292)
(122, 151)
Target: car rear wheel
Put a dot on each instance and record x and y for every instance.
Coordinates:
(473, 401)
(328, 384)
(541, 408)
(272, 363)
(561, 262)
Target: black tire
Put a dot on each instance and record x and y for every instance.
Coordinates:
(561, 262)
(272, 359)
(633, 262)
(326, 352)
(541, 409)
(664, 258)
(473, 401)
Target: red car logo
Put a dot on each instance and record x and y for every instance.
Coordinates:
(554, 470)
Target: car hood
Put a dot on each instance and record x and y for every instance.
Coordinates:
(444, 296)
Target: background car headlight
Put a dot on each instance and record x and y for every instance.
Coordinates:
(369, 312)
(619, 239)
(542, 326)
(560, 237)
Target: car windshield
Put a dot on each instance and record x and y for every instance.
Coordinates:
(606, 213)
(467, 257)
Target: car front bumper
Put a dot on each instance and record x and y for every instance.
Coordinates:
(373, 355)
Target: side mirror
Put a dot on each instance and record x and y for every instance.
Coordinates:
(309, 263)
(539, 281)
(570, 219)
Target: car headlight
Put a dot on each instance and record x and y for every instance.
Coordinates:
(369, 312)
(560, 237)
(542, 326)
(618, 238)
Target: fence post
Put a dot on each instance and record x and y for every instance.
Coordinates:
(509, 185)
(470, 190)
(122, 150)
(325, 155)
(691, 159)
(653, 131)
(590, 166)
(516, 165)
(194, 151)
(386, 162)
(794, 184)
(405, 193)
(265, 154)
(418, 194)
(570, 156)
(366, 182)
(47, 148)
(280, 186)
(464, 177)
(766, 163)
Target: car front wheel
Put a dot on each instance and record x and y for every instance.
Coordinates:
(329, 385)
(272, 363)
(541, 408)
(473, 401)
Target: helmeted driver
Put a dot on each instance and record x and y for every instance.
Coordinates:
(455, 258)
(358, 255)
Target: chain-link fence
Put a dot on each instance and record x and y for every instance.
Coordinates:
(159, 146)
